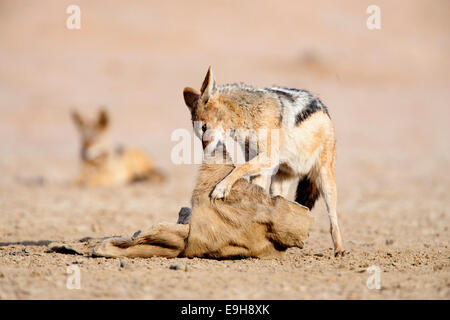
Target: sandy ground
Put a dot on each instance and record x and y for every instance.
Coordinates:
(387, 92)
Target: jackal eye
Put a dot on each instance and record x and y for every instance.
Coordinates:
(204, 128)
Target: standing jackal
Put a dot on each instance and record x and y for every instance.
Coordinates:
(306, 148)
(103, 165)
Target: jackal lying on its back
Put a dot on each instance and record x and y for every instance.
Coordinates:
(306, 149)
(102, 165)
(248, 223)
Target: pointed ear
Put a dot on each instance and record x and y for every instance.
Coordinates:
(208, 86)
(191, 97)
(103, 119)
(77, 119)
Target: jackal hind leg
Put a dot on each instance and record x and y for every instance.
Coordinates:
(327, 188)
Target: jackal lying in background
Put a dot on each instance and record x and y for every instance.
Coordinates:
(248, 223)
(103, 165)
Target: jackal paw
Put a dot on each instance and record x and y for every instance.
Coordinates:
(221, 191)
(339, 253)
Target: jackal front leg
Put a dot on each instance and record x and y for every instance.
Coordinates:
(257, 165)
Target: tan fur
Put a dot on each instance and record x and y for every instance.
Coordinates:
(101, 165)
(249, 223)
(305, 150)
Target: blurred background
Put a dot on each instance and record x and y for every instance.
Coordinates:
(387, 92)
(136, 58)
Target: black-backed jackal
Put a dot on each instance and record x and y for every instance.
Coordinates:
(306, 147)
(104, 165)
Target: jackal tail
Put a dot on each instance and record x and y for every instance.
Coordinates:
(307, 193)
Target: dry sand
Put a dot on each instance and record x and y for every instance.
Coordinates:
(388, 95)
